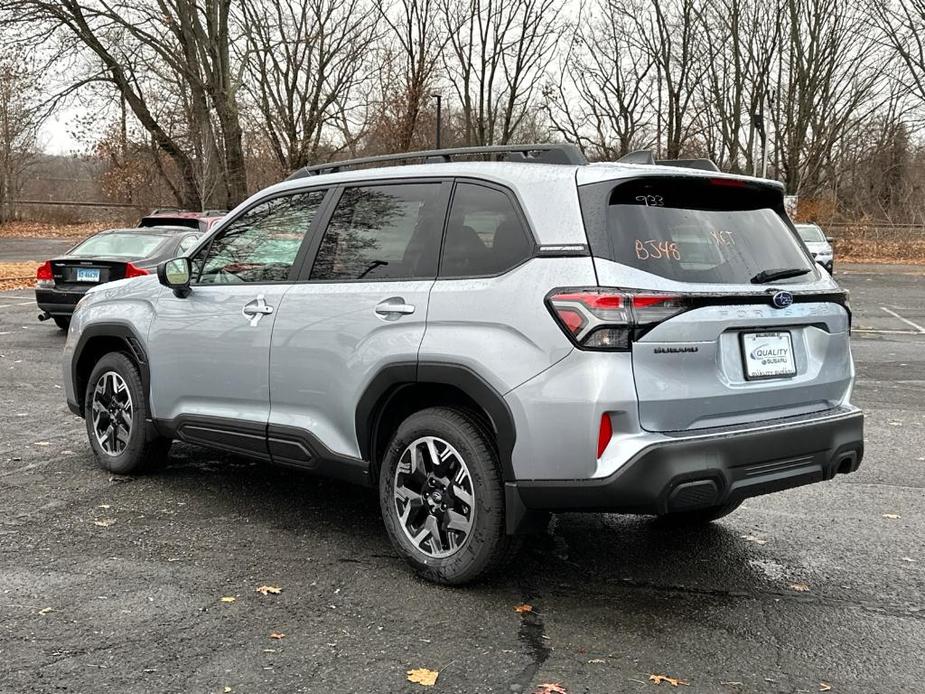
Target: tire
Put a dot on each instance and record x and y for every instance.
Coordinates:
(473, 492)
(699, 517)
(128, 449)
(63, 322)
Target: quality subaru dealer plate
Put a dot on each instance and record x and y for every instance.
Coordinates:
(768, 355)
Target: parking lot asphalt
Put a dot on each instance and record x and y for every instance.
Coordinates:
(111, 584)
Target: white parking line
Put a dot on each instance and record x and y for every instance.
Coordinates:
(32, 303)
(874, 331)
(904, 320)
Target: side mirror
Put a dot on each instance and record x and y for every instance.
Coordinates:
(830, 239)
(175, 273)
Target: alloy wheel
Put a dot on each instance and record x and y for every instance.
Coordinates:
(111, 409)
(434, 497)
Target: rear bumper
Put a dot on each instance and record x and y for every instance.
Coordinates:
(710, 469)
(58, 302)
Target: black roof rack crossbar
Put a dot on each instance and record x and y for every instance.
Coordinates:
(644, 156)
(536, 153)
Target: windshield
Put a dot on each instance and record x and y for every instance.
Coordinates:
(716, 231)
(128, 244)
(810, 233)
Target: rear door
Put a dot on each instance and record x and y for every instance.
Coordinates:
(759, 333)
(361, 304)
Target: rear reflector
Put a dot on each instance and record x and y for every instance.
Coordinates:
(134, 271)
(604, 434)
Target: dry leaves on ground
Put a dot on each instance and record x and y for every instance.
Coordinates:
(104, 522)
(44, 610)
(269, 590)
(423, 676)
(799, 587)
(229, 598)
(825, 687)
(892, 516)
(277, 635)
(752, 538)
(44, 230)
(550, 688)
(521, 609)
(673, 681)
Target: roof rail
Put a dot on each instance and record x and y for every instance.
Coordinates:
(536, 153)
(644, 156)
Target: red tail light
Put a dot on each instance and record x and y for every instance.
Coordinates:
(44, 271)
(609, 319)
(604, 434)
(134, 271)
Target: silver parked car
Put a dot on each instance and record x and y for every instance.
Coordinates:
(819, 245)
(487, 342)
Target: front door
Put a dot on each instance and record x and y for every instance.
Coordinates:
(209, 351)
(362, 306)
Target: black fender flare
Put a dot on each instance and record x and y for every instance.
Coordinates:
(119, 331)
(389, 381)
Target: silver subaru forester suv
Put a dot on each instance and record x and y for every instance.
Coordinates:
(487, 342)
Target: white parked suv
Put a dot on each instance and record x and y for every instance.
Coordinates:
(487, 342)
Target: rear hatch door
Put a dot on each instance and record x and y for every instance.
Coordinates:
(762, 332)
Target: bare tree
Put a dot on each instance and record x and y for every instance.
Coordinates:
(602, 98)
(304, 61)
(498, 53)
(22, 113)
(413, 47)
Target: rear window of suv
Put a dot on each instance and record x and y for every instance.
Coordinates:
(715, 231)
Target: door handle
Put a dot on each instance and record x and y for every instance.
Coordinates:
(394, 308)
(256, 309)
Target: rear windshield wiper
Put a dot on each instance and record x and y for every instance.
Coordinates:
(780, 273)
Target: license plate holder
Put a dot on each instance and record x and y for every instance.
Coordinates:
(767, 354)
(88, 274)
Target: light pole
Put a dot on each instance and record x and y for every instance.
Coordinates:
(439, 98)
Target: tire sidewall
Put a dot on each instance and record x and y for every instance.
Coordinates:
(132, 457)
(488, 520)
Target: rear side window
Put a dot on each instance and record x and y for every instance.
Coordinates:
(485, 234)
(713, 231)
(382, 232)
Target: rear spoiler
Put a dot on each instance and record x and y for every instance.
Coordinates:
(645, 156)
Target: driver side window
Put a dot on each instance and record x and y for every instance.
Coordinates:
(260, 245)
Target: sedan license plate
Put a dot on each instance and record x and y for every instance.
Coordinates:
(88, 274)
(768, 355)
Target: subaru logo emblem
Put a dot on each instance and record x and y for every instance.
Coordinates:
(781, 299)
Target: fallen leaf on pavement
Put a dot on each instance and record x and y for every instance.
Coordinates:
(673, 681)
(226, 689)
(520, 609)
(752, 538)
(268, 590)
(825, 687)
(908, 559)
(229, 598)
(104, 506)
(596, 661)
(550, 688)
(423, 676)
(892, 516)
(42, 443)
(799, 587)
(277, 635)
(104, 522)
(45, 610)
